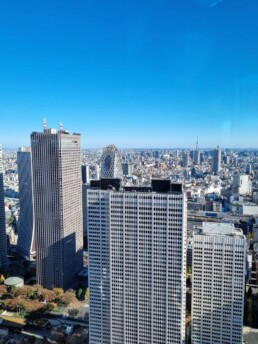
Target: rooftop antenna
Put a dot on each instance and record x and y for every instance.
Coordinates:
(197, 143)
(61, 126)
(44, 123)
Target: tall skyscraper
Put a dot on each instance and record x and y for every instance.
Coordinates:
(216, 160)
(137, 263)
(96, 174)
(127, 169)
(3, 238)
(185, 159)
(26, 234)
(111, 165)
(218, 284)
(85, 174)
(57, 190)
(197, 157)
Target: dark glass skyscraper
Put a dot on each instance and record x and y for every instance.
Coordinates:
(3, 240)
(26, 238)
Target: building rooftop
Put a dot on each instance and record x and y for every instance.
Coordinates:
(220, 228)
(157, 185)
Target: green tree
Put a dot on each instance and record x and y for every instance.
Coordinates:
(79, 293)
(73, 312)
(58, 291)
(87, 295)
(66, 298)
(2, 279)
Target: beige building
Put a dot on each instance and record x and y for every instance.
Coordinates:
(57, 192)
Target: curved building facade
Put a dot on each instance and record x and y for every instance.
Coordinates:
(111, 166)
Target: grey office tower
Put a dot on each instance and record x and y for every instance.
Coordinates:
(57, 189)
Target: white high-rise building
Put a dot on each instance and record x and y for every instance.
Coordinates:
(218, 284)
(57, 192)
(137, 264)
(111, 164)
(242, 184)
(3, 238)
(26, 237)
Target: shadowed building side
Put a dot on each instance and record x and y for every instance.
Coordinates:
(57, 191)
(3, 238)
(26, 239)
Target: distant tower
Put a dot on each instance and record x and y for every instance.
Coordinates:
(185, 159)
(57, 191)
(197, 154)
(3, 238)
(218, 284)
(216, 161)
(26, 240)
(111, 166)
(85, 174)
(127, 169)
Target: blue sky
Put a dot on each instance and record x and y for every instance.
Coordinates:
(150, 73)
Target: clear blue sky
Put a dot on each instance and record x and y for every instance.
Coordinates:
(150, 73)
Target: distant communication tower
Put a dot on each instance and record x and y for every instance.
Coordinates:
(111, 166)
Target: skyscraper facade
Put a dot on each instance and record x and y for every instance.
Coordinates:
(57, 190)
(216, 160)
(3, 238)
(111, 165)
(26, 237)
(242, 184)
(218, 284)
(197, 157)
(137, 258)
(185, 159)
(85, 174)
(127, 169)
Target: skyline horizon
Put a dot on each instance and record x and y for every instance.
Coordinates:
(188, 148)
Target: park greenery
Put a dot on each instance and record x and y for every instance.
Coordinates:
(34, 299)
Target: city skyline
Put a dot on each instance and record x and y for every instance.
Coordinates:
(123, 70)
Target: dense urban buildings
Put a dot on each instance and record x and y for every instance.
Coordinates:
(111, 165)
(218, 281)
(231, 196)
(3, 238)
(137, 262)
(26, 238)
(57, 190)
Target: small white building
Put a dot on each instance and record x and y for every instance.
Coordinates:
(242, 184)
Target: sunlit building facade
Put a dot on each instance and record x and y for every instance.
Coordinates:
(137, 265)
